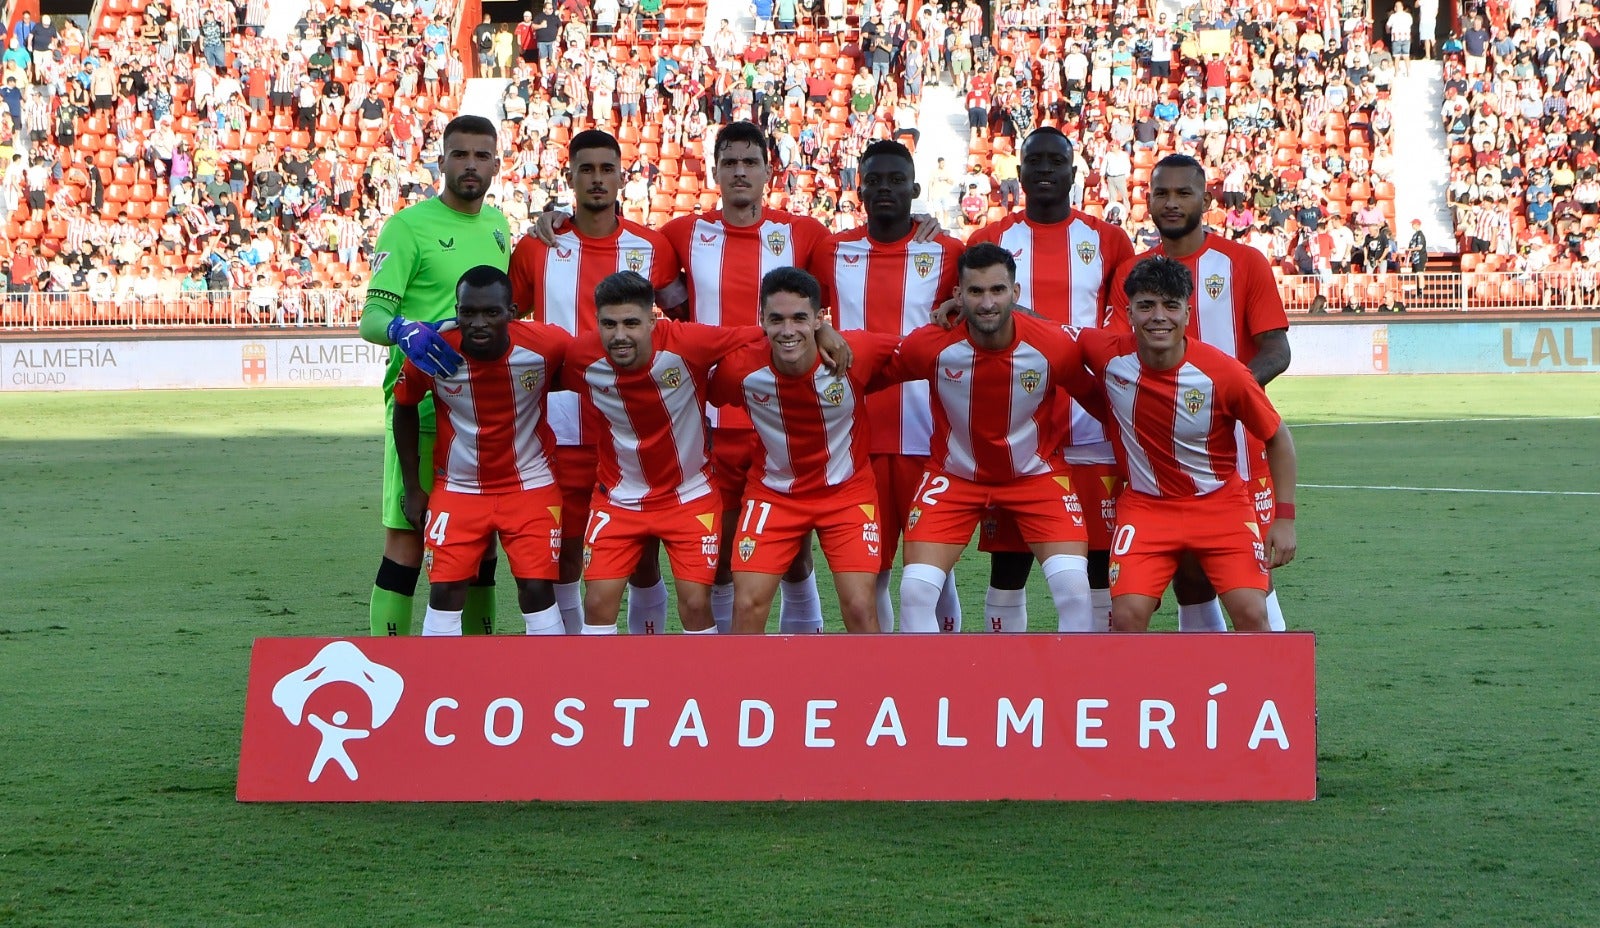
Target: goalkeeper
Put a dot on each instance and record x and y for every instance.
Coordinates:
(422, 252)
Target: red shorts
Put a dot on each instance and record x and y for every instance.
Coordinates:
(615, 538)
(1260, 481)
(898, 476)
(1219, 529)
(1097, 486)
(733, 453)
(772, 526)
(946, 509)
(462, 526)
(575, 475)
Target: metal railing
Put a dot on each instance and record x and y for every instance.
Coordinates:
(201, 309)
(1476, 291)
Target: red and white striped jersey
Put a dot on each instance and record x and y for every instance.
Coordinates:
(1235, 296)
(493, 437)
(555, 284)
(1064, 270)
(814, 428)
(651, 437)
(995, 412)
(1176, 430)
(889, 288)
(724, 265)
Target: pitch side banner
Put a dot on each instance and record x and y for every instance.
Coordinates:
(1150, 717)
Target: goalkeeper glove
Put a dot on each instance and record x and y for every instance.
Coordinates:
(423, 347)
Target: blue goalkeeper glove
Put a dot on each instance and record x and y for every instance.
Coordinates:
(423, 347)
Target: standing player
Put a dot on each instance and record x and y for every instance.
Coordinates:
(555, 283)
(811, 470)
(881, 279)
(1235, 308)
(1176, 404)
(491, 452)
(995, 377)
(422, 252)
(1065, 262)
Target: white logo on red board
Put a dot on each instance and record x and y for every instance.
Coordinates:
(338, 662)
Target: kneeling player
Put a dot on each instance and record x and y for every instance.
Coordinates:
(811, 469)
(490, 454)
(1174, 405)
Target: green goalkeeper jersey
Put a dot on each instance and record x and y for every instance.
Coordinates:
(422, 252)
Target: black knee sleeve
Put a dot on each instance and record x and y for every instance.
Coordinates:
(398, 578)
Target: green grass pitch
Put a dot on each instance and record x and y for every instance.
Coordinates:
(150, 537)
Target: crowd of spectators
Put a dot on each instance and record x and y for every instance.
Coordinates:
(1519, 111)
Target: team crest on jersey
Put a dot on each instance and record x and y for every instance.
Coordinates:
(530, 379)
(924, 264)
(500, 240)
(1214, 285)
(913, 517)
(747, 548)
(671, 378)
(776, 240)
(834, 393)
(634, 258)
(1030, 380)
(1193, 399)
(1086, 251)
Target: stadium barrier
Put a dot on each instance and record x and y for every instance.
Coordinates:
(1496, 291)
(969, 717)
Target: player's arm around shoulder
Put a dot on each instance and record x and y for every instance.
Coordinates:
(393, 263)
(726, 387)
(409, 390)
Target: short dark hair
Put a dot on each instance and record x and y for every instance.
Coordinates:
(1160, 275)
(986, 254)
(1048, 132)
(593, 138)
(1181, 161)
(741, 131)
(624, 287)
(469, 125)
(484, 275)
(888, 148)
(791, 280)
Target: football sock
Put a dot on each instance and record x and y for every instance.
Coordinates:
(599, 629)
(647, 609)
(885, 604)
(569, 599)
(1006, 610)
(389, 607)
(1274, 612)
(440, 622)
(800, 612)
(544, 622)
(478, 617)
(722, 607)
(713, 630)
(949, 607)
(1067, 576)
(919, 597)
(1202, 617)
(1100, 601)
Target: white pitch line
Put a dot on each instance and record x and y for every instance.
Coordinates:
(1312, 425)
(1336, 486)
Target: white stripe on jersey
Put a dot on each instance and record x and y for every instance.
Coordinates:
(687, 432)
(837, 423)
(1191, 431)
(766, 414)
(1124, 372)
(461, 464)
(955, 377)
(707, 264)
(533, 468)
(1022, 433)
(1214, 313)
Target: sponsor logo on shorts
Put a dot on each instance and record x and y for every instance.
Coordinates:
(708, 548)
(1074, 508)
(871, 534)
(1108, 511)
(555, 545)
(747, 548)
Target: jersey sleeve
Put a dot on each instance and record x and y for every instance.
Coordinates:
(1263, 306)
(412, 386)
(523, 288)
(727, 381)
(394, 263)
(873, 351)
(821, 267)
(911, 360)
(708, 344)
(810, 235)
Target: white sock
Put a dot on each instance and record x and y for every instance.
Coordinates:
(919, 596)
(544, 622)
(885, 604)
(722, 607)
(1067, 576)
(1202, 617)
(647, 609)
(1274, 612)
(440, 622)
(713, 630)
(1006, 610)
(800, 612)
(949, 608)
(599, 629)
(1100, 602)
(569, 599)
